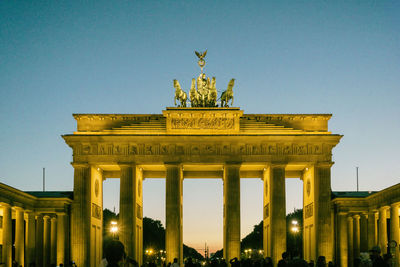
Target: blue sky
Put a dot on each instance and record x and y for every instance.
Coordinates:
(59, 58)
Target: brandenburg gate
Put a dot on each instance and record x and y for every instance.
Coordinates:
(201, 141)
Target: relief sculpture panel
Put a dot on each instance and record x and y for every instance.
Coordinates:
(192, 149)
(202, 123)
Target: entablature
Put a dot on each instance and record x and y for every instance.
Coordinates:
(198, 121)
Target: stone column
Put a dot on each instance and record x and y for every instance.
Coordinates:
(61, 238)
(127, 203)
(372, 227)
(350, 240)
(364, 233)
(356, 236)
(19, 236)
(342, 258)
(30, 238)
(231, 211)
(322, 193)
(394, 230)
(53, 241)
(7, 234)
(277, 211)
(173, 213)
(46, 241)
(39, 240)
(383, 230)
(81, 215)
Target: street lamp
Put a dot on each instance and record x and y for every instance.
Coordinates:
(295, 227)
(114, 228)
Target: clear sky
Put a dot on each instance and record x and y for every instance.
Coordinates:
(64, 57)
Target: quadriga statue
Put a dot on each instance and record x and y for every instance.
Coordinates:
(179, 94)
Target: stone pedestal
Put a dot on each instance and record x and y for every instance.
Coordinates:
(173, 213)
(231, 211)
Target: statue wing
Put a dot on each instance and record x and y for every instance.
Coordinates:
(197, 54)
(204, 53)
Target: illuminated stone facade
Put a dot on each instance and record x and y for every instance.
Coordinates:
(222, 143)
(366, 219)
(41, 233)
(200, 143)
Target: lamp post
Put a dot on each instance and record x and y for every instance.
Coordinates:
(295, 229)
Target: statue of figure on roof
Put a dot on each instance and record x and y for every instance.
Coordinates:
(203, 91)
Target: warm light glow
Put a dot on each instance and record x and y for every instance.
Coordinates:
(149, 251)
(114, 227)
(295, 229)
(294, 222)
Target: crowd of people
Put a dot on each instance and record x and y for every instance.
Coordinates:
(115, 257)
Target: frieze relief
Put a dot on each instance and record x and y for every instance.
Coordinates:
(125, 149)
(203, 123)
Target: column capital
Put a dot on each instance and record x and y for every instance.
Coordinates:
(173, 164)
(4, 204)
(384, 208)
(17, 208)
(276, 164)
(80, 164)
(395, 205)
(356, 216)
(349, 217)
(126, 164)
(233, 163)
(323, 164)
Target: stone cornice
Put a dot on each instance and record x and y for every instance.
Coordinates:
(375, 201)
(200, 121)
(20, 199)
